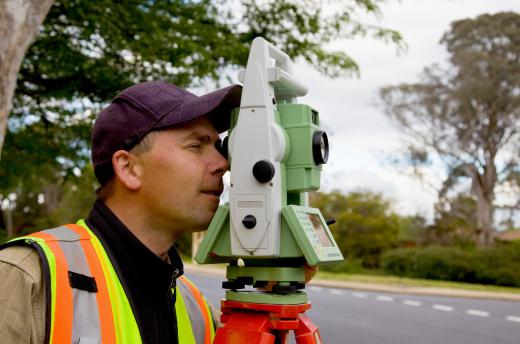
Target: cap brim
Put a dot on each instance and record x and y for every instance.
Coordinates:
(216, 105)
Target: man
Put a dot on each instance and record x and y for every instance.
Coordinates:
(115, 277)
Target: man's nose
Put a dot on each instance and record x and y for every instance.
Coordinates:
(221, 164)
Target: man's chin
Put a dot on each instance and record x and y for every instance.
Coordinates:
(203, 226)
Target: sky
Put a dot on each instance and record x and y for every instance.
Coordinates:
(362, 139)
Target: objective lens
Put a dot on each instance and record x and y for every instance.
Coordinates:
(320, 147)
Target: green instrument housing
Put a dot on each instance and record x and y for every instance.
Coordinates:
(299, 122)
(304, 235)
(298, 237)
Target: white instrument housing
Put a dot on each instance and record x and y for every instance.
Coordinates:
(258, 136)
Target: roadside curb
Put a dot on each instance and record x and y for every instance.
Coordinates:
(476, 294)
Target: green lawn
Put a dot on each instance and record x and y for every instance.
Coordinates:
(412, 282)
(376, 278)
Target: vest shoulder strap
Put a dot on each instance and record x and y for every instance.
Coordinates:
(84, 293)
(198, 310)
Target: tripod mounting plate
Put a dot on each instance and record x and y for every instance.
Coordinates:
(263, 297)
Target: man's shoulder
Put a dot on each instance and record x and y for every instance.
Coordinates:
(24, 258)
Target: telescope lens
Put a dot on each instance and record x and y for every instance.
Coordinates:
(320, 147)
(323, 149)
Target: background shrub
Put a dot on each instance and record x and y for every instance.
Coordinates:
(499, 265)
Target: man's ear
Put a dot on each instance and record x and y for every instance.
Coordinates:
(127, 169)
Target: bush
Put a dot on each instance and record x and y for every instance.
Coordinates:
(365, 224)
(499, 265)
(352, 266)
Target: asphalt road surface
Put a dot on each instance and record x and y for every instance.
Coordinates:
(359, 317)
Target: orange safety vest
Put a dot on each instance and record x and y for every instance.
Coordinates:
(86, 302)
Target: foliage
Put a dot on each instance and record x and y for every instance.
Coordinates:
(349, 265)
(468, 114)
(412, 230)
(74, 201)
(87, 52)
(454, 222)
(498, 265)
(183, 244)
(365, 224)
(57, 204)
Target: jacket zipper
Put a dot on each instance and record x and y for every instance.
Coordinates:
(173, 287)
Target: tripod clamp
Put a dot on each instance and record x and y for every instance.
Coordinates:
(246, 322)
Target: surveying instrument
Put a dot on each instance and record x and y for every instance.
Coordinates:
(268, 233)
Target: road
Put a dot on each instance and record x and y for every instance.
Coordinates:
(358, 317)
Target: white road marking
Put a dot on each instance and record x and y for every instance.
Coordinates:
(443, 308)
(359, 295)
(384, 298)
(316, 288)
(337, 292)
(412, 303)
(513, 318)
(477, 313)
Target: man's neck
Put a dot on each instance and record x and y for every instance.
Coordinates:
(153, 236)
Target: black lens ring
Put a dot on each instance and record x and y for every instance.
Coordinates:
(317, 138)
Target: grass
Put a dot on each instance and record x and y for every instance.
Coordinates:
(379, 278)
(412, 282)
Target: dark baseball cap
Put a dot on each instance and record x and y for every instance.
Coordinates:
(150, 106)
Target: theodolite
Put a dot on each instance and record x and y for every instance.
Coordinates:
(268, 233)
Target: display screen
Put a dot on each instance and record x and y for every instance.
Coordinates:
(320, 230)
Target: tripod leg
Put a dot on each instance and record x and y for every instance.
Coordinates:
(245, 328)
(307, 332)
(281, 337)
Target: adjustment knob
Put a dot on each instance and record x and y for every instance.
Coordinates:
(263, 171)
(249, 221)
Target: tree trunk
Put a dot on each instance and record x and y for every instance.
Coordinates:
(19, 24)
(485, 226)
(9, 227)
(482, 187)
(52, 194)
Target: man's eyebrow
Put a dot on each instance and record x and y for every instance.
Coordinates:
(200, 136)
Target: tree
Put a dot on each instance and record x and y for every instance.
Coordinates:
(87, 53)
(365, 224)
(467, 114)
(454, 222)
(82, 47)
(18, 28)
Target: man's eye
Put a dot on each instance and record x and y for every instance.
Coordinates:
(195, 146)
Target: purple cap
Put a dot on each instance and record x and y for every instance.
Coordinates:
(150, 106)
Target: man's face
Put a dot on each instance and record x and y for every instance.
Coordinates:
(182, 176)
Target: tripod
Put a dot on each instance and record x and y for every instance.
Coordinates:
(248, 323)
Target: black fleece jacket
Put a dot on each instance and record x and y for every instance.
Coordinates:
(146, 278)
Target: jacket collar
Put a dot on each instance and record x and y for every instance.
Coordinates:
(138, 264)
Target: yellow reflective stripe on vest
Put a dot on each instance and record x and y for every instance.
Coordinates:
(51, 261)
(184, 329)
(125, 324)
(211, 328)
(199, 311)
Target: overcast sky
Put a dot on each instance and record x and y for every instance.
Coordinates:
(362, 138)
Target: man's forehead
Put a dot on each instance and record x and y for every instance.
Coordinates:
(201, 127)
